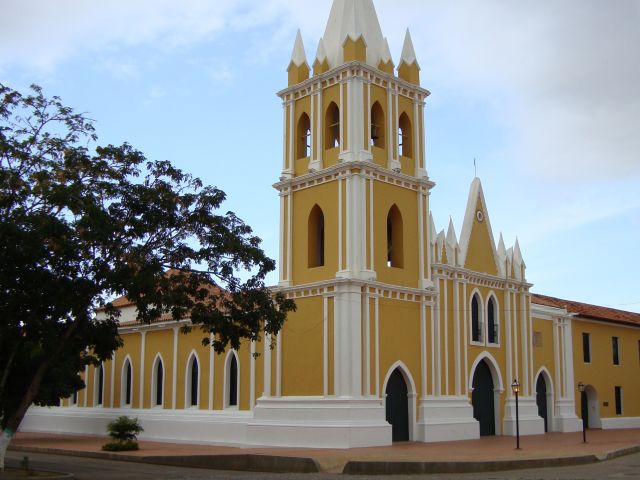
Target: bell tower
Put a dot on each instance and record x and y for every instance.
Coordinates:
(354, 209)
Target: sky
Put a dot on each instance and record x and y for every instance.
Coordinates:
(544, 95)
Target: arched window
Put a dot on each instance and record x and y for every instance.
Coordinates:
(377, 125)
(158, 382)
(492, 321)
(476, 319)
(99, 384)
(126, 383)
(405, 143)
(332, 126)
(303, 137)
(316, 237)
(193, 379)
(232, 380)
(394, 238)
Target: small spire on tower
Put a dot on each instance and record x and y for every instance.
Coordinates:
(320, 64)
(298, 56)
(408, 68)
(298, 67)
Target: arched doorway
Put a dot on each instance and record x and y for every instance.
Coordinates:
(541, 400)
(482, 399)
(397, 406)
(590, 407)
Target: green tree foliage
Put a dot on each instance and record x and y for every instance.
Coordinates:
(80, 225)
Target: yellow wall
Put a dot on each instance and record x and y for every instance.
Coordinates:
(601, 373)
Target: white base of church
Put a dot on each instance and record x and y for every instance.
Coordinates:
(319, 422)
(529, 420)
(619, 422)
(445, 419)
(284, 422)
(565, 419)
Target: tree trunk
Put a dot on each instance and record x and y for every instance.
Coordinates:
(14, 419)
(5, 439)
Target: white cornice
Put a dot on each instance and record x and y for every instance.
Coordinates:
(367, 168)
(354, 68)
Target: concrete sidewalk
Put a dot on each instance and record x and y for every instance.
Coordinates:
(489, 453)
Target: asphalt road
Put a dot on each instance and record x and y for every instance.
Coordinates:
(627, 467)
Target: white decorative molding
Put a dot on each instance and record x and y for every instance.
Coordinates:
(530, 422)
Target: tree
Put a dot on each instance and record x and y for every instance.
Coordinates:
(124, 433)
(78, 228)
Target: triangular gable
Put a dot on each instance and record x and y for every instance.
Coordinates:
(477, 246)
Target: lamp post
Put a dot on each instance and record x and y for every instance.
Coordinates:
(515, 387)
(582, 408)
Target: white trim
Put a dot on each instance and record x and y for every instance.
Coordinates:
(411, 394)
(340, 206)
(423, 347)
(154, 375)
(465, 340)
(367, 345)
(341, 117)
(227, 381)
(123, 383)
(524, 336)
(187, 381)
(289, 235)
(372, 265)
(508, 337)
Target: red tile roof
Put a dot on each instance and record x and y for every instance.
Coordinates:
(586, 310)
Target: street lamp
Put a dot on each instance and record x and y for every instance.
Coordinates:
(582, 407)
(515, 387)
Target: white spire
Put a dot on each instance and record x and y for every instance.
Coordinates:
(298, 56)
(408, 55)
(386, 52)
(353, 19)
(502, 257)
(321, 53)
(432, 229)
(451, 235)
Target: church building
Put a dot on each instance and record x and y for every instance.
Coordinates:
(403, 331)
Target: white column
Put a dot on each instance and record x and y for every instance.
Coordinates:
(252, 375)
(175, 368)
(279, 364)
(508, 339)
(456, 334)
(367, 346)
(524, 334)
(423, 345)
(325, 345)
(446, 334)
(347, 341)
(211, 365)
(143, 343)
(267, 366)
(113, 379)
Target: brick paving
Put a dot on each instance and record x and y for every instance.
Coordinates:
(550, 445)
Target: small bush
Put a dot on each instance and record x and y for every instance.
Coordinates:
(120, 446)
(124, 432)
(124, 428)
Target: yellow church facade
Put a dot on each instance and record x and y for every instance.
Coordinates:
(402, 332)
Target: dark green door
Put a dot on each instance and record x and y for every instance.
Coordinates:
(541, 399)
(397, 409)
(482, 399)
(585, 409)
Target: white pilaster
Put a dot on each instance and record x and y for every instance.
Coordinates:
(347, 341)
(143, 344)
(174, 373)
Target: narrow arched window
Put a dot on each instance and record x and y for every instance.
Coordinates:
(476, 320)
(233, 381)
(99, 379)
(193, 381)
(332, 126)
(492, 321)
(405, 141)
(394, 238)
(316, 238)
(303, 137)
(126, 386)
(158, 377)
(377, 126)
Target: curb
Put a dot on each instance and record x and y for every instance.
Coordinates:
(407, 468)
(242, 462)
